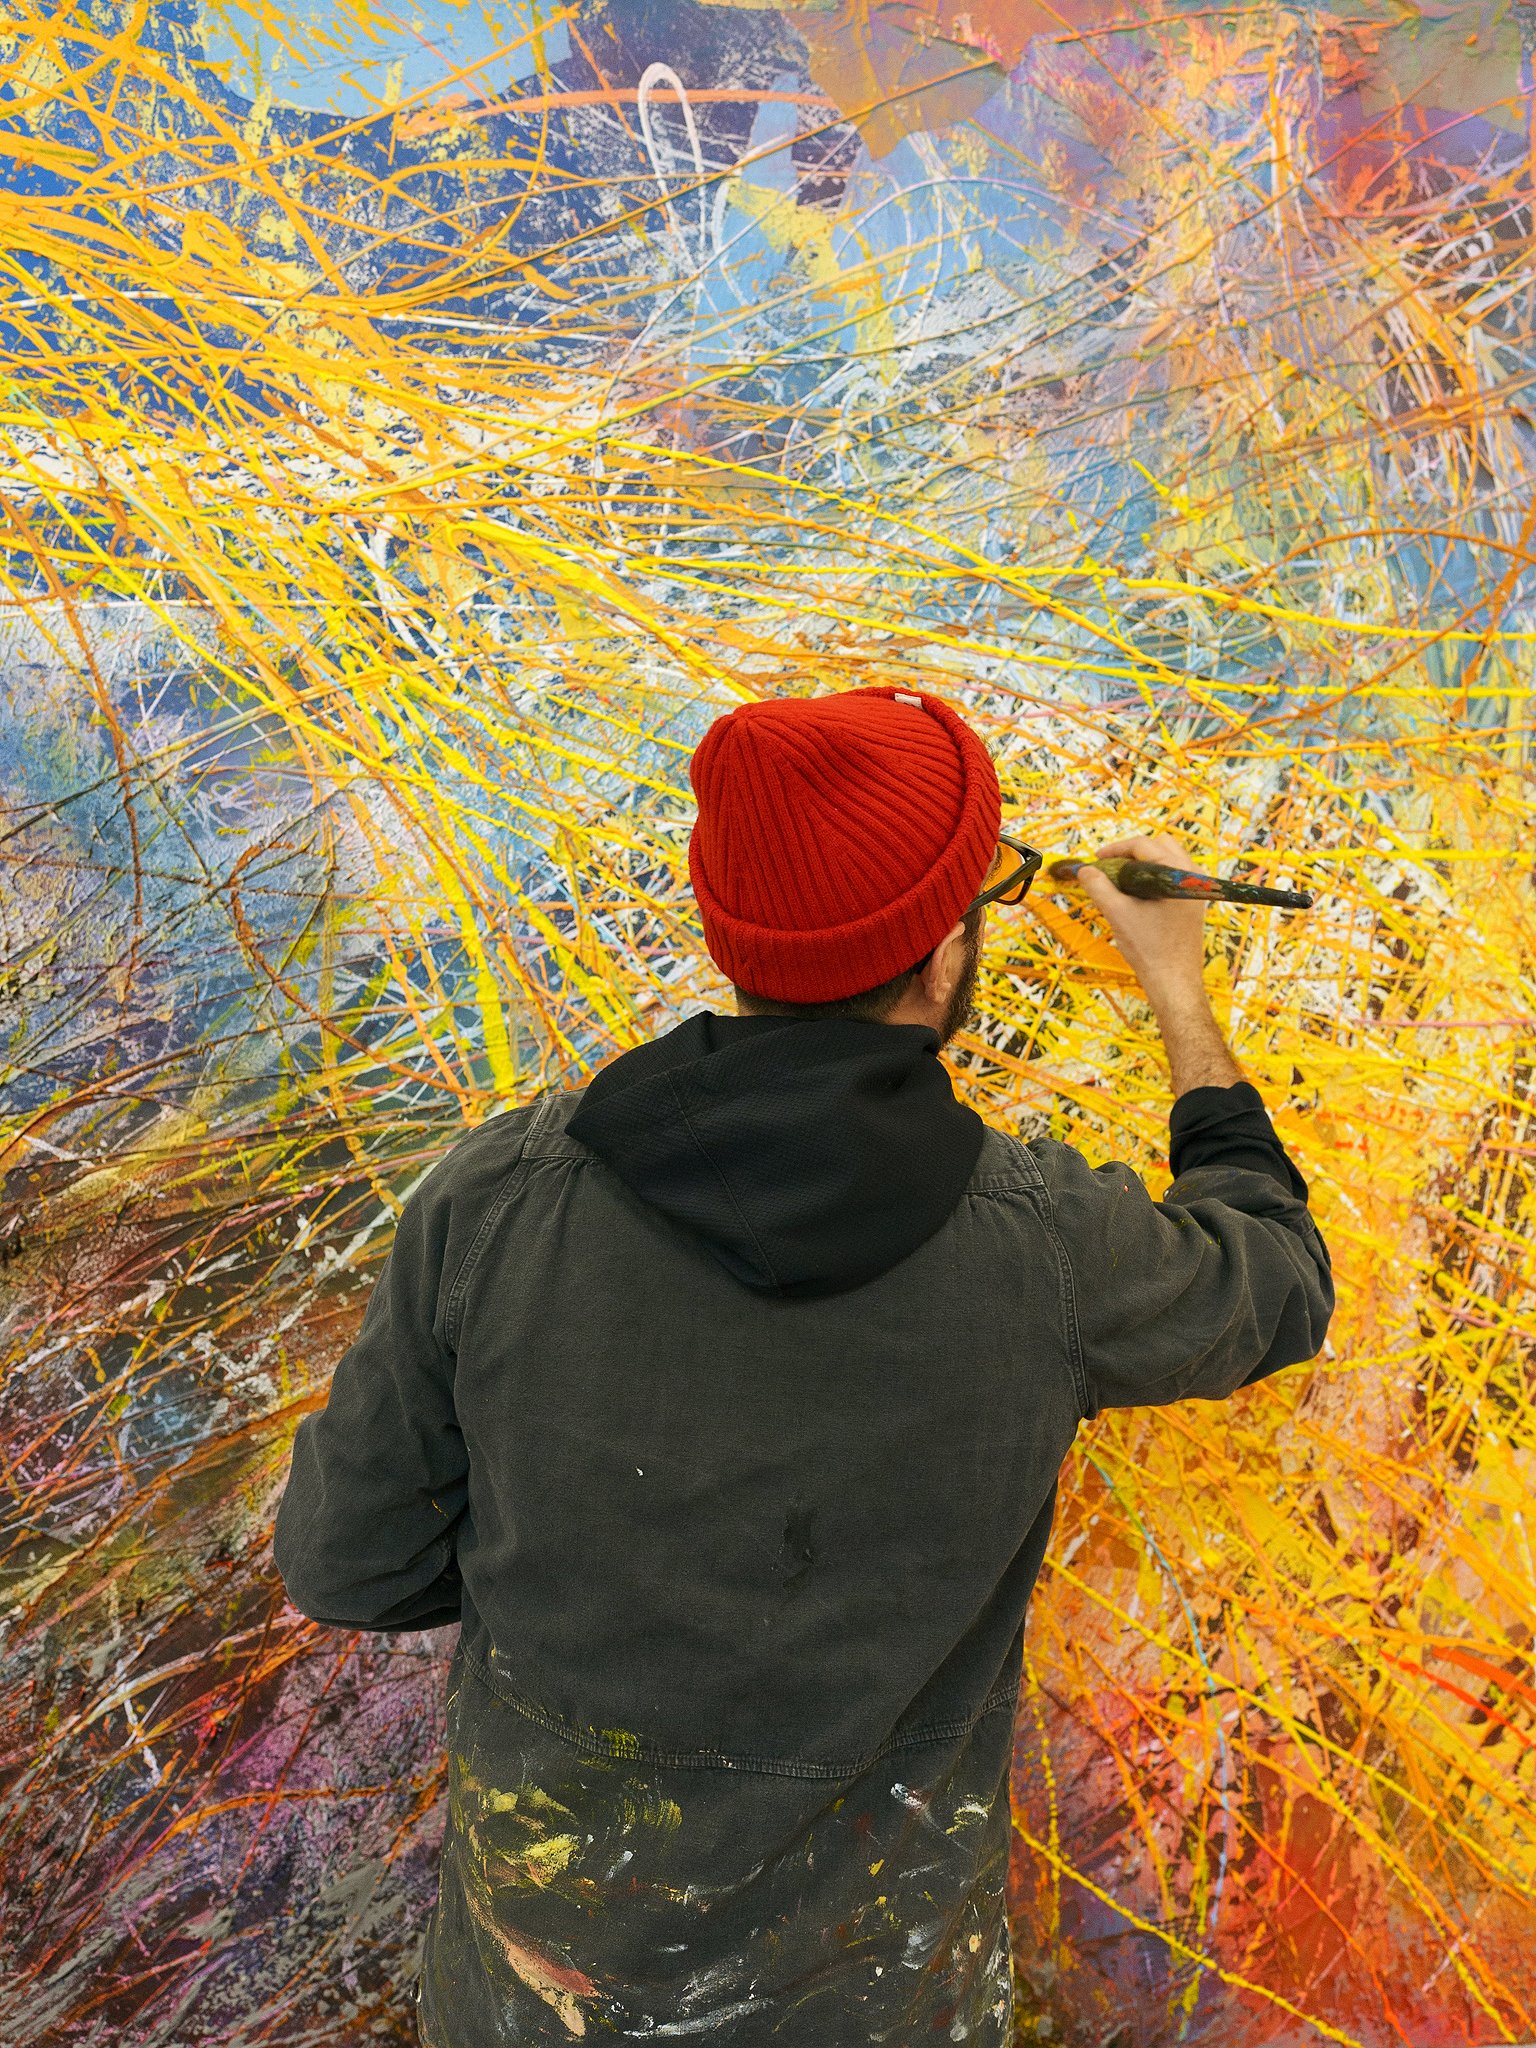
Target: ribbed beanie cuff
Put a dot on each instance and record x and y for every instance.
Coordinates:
(838, 838)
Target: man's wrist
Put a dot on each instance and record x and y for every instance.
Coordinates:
(1182, 1009)
(1198, 1053)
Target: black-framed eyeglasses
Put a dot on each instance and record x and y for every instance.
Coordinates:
(1014, 867)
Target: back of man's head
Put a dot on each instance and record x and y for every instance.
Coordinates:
(838, 840)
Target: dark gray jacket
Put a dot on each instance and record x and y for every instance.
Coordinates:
(724, 1404)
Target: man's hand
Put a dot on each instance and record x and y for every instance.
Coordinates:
(1164, 944)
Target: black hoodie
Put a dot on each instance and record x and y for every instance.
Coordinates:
(811, 1155)
(808, 1156)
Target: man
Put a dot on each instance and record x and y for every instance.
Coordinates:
(724, 1400)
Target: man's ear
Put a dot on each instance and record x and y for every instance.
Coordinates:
(941, 970)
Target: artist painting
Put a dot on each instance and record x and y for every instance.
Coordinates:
(721, 1403)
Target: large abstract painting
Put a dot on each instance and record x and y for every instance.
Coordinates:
(415, 425)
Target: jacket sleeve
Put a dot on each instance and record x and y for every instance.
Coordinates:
(1223, 1282)
(365, 1530)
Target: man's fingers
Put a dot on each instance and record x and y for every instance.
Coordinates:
(1159, 846)
(1098, 886)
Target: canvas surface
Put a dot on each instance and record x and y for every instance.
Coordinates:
(415, 427)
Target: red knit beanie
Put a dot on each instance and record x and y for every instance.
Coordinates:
(838, 839)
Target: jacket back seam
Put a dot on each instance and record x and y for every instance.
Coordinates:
(454, 1310)
(627, 1749)
(1066, 1283)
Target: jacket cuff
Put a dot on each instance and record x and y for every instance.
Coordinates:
(1229, 1127)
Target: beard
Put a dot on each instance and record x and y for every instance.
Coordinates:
(961, 1008)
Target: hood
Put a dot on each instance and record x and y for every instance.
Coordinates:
(808, 1156)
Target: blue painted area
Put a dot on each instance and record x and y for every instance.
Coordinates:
(362, 59)
(212, 791)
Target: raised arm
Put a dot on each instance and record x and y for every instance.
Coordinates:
(1227, 1278)
(1165, 944)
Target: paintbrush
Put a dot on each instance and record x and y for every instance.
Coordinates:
(1151, 880)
